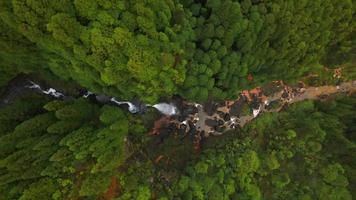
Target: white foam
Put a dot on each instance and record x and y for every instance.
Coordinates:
(167, 109)
(266, 102)
(53, 92)
(33, 86)
(256, 111)
(132, 108)
(86, 95)
(198, 105)
(50, 91)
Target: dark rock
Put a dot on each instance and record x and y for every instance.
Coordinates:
(103, 98)
(181, 131)
(211, 122)
(226, 117)
(255, 105)
(220, 129)
(221, 122)
(236, 108)
(191, 110)
(81, 92)
(183, 126)
(273, 104)
(68, 98)
(122, 106)
(92, 98)
(285, 94)
(181, 118)
(142, 108)
(191, 124)
(192, 131)
(221, 104)
(221, 114)
(232, 126)
(172, 127)
(178, 101)
(210, 108)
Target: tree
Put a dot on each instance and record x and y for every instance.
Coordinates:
(63, 151)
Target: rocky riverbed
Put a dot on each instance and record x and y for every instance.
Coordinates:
(191, 119)
(215, 118)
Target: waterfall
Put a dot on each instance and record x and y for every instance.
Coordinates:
(164, 108)
(132, 108)
(256, 111)
(87, 94)
(167, 109)
(50, 91)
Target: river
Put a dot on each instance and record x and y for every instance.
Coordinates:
(198, 120)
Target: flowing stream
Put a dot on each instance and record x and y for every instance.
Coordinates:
(164, 108)
(212, 118)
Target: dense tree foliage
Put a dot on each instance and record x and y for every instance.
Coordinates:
(79, 148)
(150, 49)
(17, 54)
(59, 150)
(305, 152)
(107, 46)
(269, 40)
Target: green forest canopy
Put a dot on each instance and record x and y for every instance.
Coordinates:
(306, 152)
(154, 48)
(59, 150)
(72, 150)
(150, 49)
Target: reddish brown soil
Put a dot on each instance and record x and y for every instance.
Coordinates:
(113, 190)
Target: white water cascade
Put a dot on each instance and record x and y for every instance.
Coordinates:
(165, 108)
(255, 112)
(50, 91)
(132, 108)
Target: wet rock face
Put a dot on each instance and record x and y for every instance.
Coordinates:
(192, 110)
(236, 108)
(210, 108)
(255, 104)
(183, 127)
(103, 99)
(212, 123)
(285, 94)
(274, 104)
(219, 129)
(178, 101)
(226, 117)
(187, 111)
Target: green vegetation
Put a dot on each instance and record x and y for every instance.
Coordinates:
(306, 152)
(199, 49)
(58, 150)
